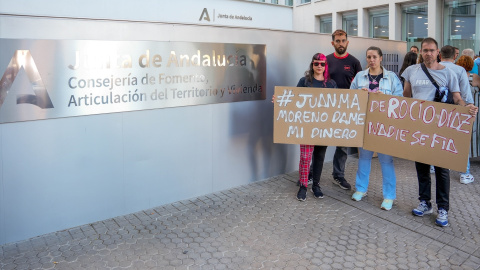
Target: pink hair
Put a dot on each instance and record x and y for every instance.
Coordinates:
(322, 57)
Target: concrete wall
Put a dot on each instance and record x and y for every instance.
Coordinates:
(60, 173)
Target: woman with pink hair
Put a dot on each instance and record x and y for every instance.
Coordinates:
(316, 76)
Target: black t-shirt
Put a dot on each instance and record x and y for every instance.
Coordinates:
(317, 84)
(343, 70)
(373, 81)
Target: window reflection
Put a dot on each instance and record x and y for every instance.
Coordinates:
(379, 25)
(350, 24)
(415, 26)
(461, 23)
(326, 24)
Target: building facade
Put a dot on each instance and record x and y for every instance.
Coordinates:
(450, 22)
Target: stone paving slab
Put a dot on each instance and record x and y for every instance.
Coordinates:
(263, 226)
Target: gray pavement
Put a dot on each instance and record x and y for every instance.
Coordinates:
(263, 226)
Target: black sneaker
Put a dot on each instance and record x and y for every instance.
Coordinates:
(317, 191)
(342, 183)
(302, 193)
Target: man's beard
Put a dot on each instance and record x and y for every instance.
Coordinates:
(341, 50)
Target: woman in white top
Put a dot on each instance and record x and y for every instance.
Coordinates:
(377, 80)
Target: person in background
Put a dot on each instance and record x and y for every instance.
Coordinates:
(469, 52)
(316, 76)
(477, 62)
(409, 59)
(419, 86)
(446, 54)
(474, 80)
(414, 49)
(457, 52)
(420, 59)
(377, 80)
(466, 62)
(342, 69)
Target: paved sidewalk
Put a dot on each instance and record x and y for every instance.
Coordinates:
(263, 226)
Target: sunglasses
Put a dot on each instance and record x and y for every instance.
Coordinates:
(317, 63)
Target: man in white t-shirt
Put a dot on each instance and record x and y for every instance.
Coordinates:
(419, 86)
(446, 55)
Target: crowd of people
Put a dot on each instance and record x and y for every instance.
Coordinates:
(427, 63)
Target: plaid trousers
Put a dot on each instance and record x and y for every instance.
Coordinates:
(306, 152)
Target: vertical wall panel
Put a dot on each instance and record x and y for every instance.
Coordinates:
(61, 173)
(167, 155)
(3, 230)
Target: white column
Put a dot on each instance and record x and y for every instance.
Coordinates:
(316, 27)
(363, 19)
(395, 22)
(336, 21)
(435, 16)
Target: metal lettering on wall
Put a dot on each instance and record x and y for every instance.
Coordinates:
(45, 79)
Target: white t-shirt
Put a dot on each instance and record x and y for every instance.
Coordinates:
(422, 87)
(462, 81)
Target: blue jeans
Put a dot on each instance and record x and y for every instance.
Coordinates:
(388, 173)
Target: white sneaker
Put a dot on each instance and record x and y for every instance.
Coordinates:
(466, 178)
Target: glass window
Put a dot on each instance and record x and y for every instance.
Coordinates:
(326, 24)
(289, 2)
(350, 24)
(379, 24)
(275, 2)
(415, 24)
(304, 1)
(461, 24)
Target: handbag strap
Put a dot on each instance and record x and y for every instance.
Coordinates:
(424, 68)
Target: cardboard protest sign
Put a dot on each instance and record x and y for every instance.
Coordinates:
(319, 116)
(425, 131)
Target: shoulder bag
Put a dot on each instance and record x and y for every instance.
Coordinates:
(439, 95)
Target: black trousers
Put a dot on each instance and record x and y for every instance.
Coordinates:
(317, 162)
(442, 177)
(339, 160)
